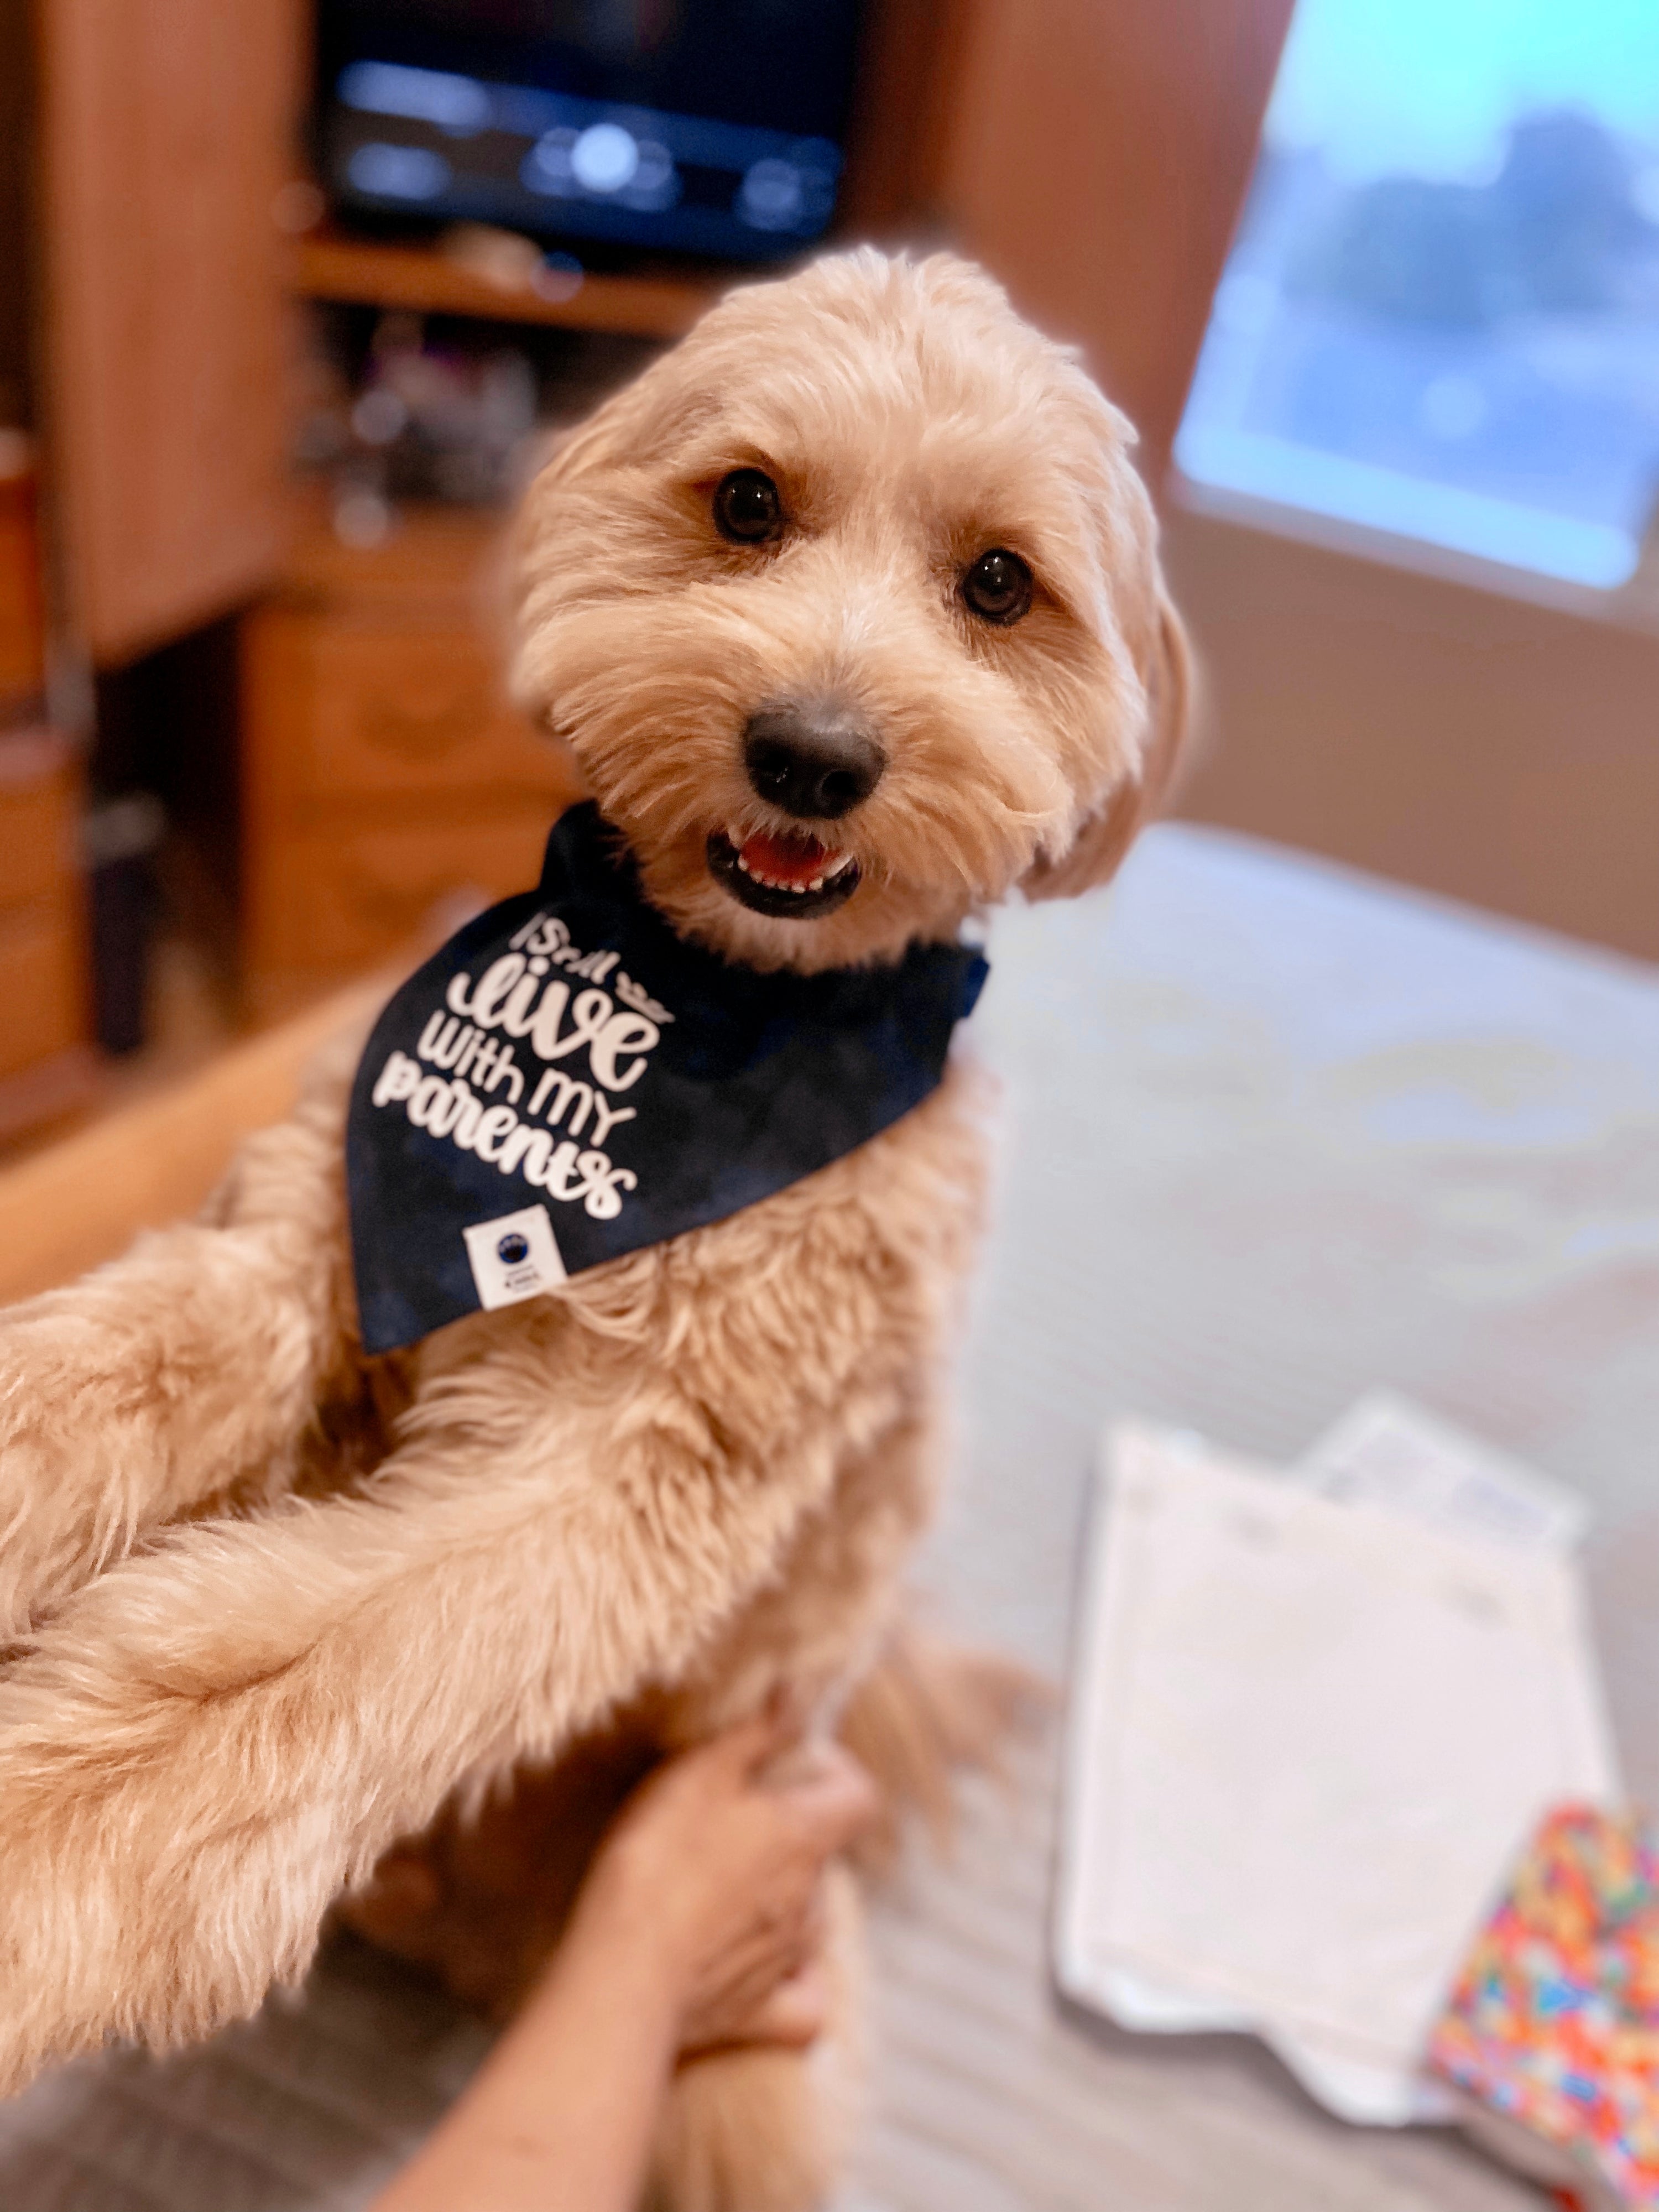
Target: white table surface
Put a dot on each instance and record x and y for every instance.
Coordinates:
(1274, 1134)
(1277, 1134)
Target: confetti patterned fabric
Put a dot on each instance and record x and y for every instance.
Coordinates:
(1554, 2021)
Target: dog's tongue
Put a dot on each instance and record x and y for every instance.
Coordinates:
(785, 859)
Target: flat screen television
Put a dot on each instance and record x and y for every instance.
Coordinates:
(713, 127)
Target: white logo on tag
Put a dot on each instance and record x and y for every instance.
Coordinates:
(514, 1257)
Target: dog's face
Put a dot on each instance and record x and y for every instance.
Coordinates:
(849, 611)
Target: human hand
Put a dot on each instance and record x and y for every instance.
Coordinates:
(718, 1863)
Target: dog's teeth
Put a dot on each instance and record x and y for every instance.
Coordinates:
(833, 869)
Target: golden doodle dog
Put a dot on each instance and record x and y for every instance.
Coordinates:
(849, 610)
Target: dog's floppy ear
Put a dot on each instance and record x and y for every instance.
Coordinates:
(1108, 833)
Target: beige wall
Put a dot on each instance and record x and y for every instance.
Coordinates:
(1094, 155)
(1497, 751)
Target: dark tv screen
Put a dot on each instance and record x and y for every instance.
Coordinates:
(702, 126)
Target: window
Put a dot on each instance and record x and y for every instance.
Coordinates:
(1440, 317)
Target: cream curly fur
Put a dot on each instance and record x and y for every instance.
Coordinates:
(272, 1602)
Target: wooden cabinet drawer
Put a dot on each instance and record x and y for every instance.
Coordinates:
(22, 633)
(41, 1010)
(39, 796)
(323, 900)
(343, 709)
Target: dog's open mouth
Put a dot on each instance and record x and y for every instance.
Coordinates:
(782, 872)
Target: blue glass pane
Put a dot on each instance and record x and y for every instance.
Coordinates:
(1441, 314)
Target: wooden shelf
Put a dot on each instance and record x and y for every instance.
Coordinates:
(433, 554)
(431, 282)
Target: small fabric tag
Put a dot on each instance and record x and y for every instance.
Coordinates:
(514, 1257)
(567, 1081)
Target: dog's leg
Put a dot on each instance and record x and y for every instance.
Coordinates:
(214, 1736)
(153, 1383)
(765, 2131)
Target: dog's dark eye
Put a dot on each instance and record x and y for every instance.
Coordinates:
(747, 509)
(997, 588)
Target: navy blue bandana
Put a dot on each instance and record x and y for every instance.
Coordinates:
(567, 1081)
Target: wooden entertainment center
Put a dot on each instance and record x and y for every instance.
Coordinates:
(163, 252)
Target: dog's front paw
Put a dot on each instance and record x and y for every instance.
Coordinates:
(88, 1453)
(69, 1952)
(70, 1431)
(153, 1886)
(148, 1388)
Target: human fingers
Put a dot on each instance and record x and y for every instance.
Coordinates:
(723, 1764)
(779, 1928)
(794, 2013)
(729, 1989)
(695, 1786)
(738, 1982)
(780, 1932)
(773, 2006)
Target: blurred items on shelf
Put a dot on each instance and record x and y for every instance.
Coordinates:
(386, 776)
(385, 779)
(398, 405)
(1315, 1713)
(426, 419)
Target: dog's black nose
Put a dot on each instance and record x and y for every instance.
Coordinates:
(815, 763)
